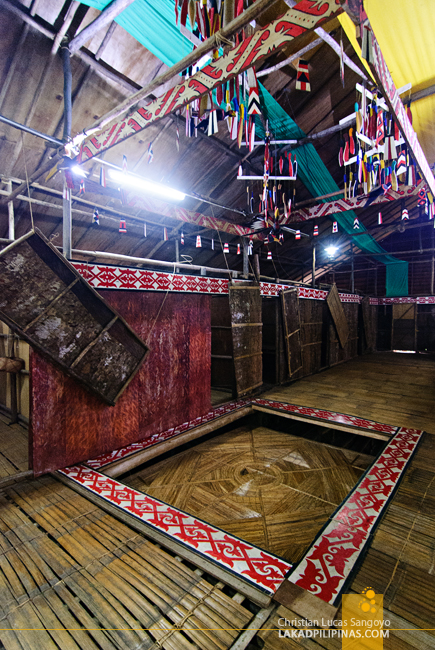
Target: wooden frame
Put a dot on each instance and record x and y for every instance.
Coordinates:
(48, 303)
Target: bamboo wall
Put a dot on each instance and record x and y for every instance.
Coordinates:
(22, 351)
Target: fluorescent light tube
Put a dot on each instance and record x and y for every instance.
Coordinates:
(149, 187)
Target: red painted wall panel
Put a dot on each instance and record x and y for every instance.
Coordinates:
(69, 425)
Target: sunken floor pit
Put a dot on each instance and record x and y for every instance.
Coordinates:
(270, 481)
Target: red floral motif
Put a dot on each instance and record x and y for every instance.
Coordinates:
(249, 562)
(324, 568)
(321, 414)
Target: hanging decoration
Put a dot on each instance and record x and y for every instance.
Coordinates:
(356, 223)
(82, 186)
(165, 234)
(341, 62)
(122, 226)
(96, 217)
(297, 234)
(269, 255)
(212, 243)
(238, 249)
(150, 153)
(102, 176)
(254, 107)
(379, 218)
(182, 238)
(335, 226)
(226, 248)
(198, 241)
(405, 215)
(316, 231)
(302, 76)
(144, 230)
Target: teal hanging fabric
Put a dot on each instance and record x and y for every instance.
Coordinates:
(318, 181)
(152, 23)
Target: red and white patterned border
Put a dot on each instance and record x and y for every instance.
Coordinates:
(330, 416)
(326, 567)
(420, 300)
(260, 568)
(102, 276)
(134, 447)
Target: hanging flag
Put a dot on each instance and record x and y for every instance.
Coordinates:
(405, 215)
(421, 197)
(182, 238)
(144, 230)
(250, 248)
(269, 255)
(226, 248)
(298, 234)
(401, 163)
(254, 106)
(96, 217)
(82, 186)
(150, 153)
(302, 76)
(341, 62)
(122, 226)
(316, 231)
(198, 241)
(356, 223)
(165, 234)
(379, 218)
(334, 226)
(102, 176)
(379, 127)
(238, 249)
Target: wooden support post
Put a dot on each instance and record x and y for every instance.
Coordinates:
(67, 222)
(313, 270)
(105, 17)
(352, 276)
(257, 267)
(245, 258)
(11, 229)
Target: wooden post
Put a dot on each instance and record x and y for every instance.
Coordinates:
(313, 272)
(67, 222)
(106, 16)
(352, 286)
(257, 267)
(245, 258)
(11, 229)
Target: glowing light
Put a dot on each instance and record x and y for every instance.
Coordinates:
(78, 171)
(127, 180)
(331, 250)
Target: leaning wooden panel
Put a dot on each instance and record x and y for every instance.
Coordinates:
(45, 300)
(338, 315)
(246, 325)
(292, 329)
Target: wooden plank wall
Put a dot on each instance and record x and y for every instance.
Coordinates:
(275, 369)
(314, 332)
(222, 358)
(68, 424)
(337, 354)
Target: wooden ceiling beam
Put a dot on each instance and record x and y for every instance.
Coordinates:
(106, 16)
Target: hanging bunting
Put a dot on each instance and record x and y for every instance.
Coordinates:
(356, 223)
(182, 238)
(302, 76)
(401, 163)
(316, 231)
(122, 226)
(335, 226)
(198, 241)
(379, 218)
(165, 234)
(96, 217)
(102, 176)
(250, 247)
(82, 186)
(238, 249)
(269, 255)
(297, 234)
(405, 215)
(226, 248)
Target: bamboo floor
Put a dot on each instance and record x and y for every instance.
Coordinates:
(387, 387)
(14, 449)
(272, 489)
(75, 578)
